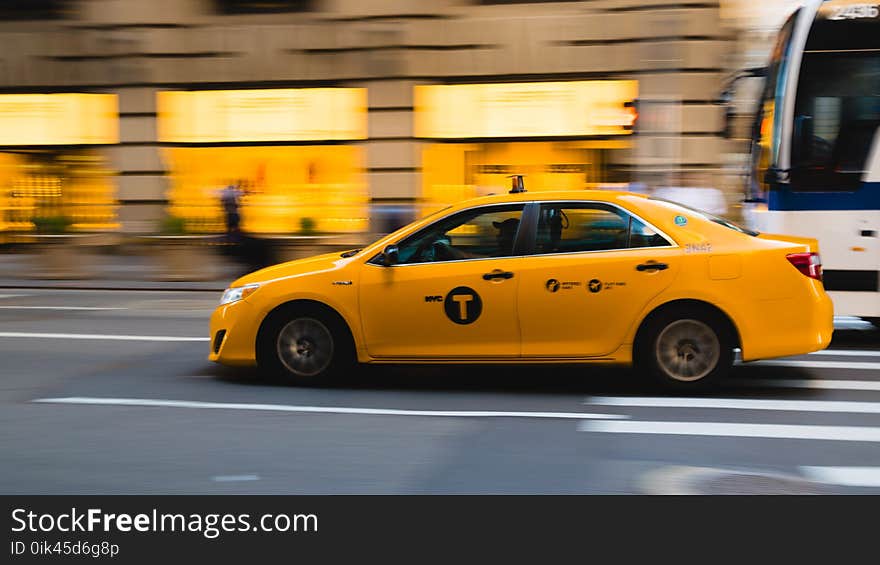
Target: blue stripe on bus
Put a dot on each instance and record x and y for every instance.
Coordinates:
(866, 198)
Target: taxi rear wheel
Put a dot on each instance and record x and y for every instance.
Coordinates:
(685, 349)
(305, 345)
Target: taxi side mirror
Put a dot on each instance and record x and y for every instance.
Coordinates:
(390, 255)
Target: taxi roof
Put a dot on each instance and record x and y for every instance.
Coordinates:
(574, 195)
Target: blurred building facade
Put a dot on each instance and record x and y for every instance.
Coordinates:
(377, 161)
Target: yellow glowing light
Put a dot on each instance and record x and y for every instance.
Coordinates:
(74, 184)
(286, 188)
(452, 172)
(58, 119)
(303, 114)
(534, 109)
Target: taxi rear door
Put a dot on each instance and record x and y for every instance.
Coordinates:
(594, 268)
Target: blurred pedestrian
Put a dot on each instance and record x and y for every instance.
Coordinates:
(254, 253)
(230, 198)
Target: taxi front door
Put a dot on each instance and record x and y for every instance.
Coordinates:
(463, 309)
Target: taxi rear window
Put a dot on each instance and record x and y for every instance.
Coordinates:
(711, 217)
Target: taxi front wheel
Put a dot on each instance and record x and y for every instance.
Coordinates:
(685, 349)
(305, 346)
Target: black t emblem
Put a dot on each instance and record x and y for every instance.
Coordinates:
(595, 285)
(463, 305)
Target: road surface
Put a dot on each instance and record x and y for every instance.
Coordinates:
(109, 392)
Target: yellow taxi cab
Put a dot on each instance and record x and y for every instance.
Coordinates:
(550, 277)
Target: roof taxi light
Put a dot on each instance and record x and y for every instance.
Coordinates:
(517, 185)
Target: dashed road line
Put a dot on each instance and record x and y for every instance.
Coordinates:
(235, 478)
(738, 430)
(845, 476)
(814, 384)
(847, 352)
(737, 404)
(819, 364)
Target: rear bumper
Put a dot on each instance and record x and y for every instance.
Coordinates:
(824, 321)
(239, 325)
(790, 326)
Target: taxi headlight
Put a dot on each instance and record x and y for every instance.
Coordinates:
(238, 293)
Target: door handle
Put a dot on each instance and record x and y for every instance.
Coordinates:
(652, 266)
(497, 274)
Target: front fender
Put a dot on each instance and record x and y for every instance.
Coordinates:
(341, 298)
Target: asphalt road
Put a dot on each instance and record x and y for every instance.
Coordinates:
(135, 408)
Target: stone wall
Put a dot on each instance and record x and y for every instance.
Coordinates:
(678, 51)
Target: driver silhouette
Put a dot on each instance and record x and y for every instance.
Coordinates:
(505, 238)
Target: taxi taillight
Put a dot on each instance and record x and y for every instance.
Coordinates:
(807, 263)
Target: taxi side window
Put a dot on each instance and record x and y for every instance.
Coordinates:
(473, 234)
(641, 235)
(574, 228)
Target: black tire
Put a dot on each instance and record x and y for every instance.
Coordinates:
(687, 348)
(305, 345)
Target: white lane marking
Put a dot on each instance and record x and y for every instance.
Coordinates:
(851, 323)
(819, 364)
(737, 403)
(320, 409)
(846, 476)
(726, 429)
(111, 337)
(13, 295)
(61, 308)
(848, 352)
(816, 384)
(234, 478)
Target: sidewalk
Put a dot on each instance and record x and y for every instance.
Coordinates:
(179, 264)
(114, 272)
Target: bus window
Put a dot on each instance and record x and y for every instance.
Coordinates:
(765, 134)
(837, 110)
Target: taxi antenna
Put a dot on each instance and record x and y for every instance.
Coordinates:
(517, 185)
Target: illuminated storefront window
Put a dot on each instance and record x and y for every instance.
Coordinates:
(287, 189)
(286, 148)
(50, 177)
(556, 134)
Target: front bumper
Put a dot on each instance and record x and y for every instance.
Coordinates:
(239, 322)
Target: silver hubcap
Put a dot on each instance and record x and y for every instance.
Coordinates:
(305, 347)
(687, 350)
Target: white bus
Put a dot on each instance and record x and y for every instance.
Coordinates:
(815, 161)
